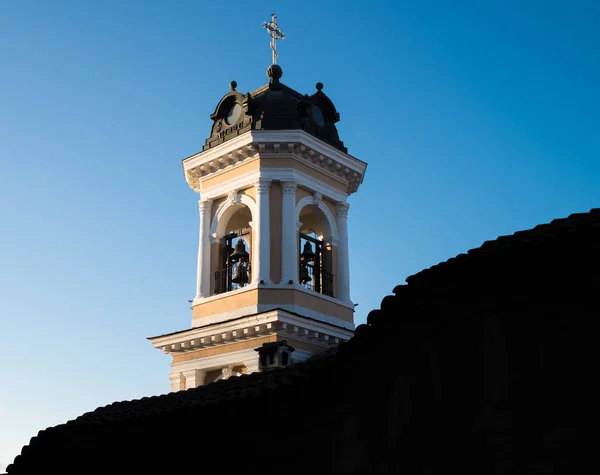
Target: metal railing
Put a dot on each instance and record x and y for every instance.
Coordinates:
(318, 281)
(224, 278)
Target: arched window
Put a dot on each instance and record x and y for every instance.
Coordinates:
(232, 265)
(235, 271)
(315, 264)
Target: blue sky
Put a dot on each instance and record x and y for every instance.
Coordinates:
(477, 119)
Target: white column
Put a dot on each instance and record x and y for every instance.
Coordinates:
(194, 378)
(177, 382)
(289, 246)
(262, 239)
(343, 258)
(203, 282)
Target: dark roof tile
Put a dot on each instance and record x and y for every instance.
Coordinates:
(557, 227)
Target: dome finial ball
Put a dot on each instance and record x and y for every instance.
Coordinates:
(319, 86)
(274, 72)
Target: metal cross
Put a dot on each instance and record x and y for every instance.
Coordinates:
(275, 33)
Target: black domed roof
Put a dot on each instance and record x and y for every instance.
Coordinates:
(274, 106)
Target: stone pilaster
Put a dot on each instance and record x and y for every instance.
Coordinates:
(203, 282)
(194, 378)
(343, 257)
(289, 244)
(262, 260)
(251, 365)
(177, 382)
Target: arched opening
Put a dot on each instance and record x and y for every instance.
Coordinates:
(315, 266)
(233, 254)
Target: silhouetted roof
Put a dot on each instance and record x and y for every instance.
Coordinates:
(504, 259)
(575, 227)
(508, 258)
(219, 392)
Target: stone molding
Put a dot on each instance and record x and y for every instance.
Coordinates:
(223, 213)
(249, 332)
(311, 200)
(294, 144)
(274, 174)
(253, 327)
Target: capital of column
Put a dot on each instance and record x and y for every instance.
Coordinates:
(226, 372)
(262, 186)
(288, 187)
(175, 376)
(342, 210)
(205, 206)
(177, 382)
(233, 197)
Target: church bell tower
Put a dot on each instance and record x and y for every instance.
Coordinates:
(273, 263)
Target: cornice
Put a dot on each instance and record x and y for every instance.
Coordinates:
(252, 327)
(293, 144)
(278, 136)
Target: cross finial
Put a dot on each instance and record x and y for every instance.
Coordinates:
(275, 33)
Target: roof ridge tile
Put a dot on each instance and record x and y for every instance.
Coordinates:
(519, 238)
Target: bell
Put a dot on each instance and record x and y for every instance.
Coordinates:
(239, 254)
(240, 276)
(307, 255)
(304, 275)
